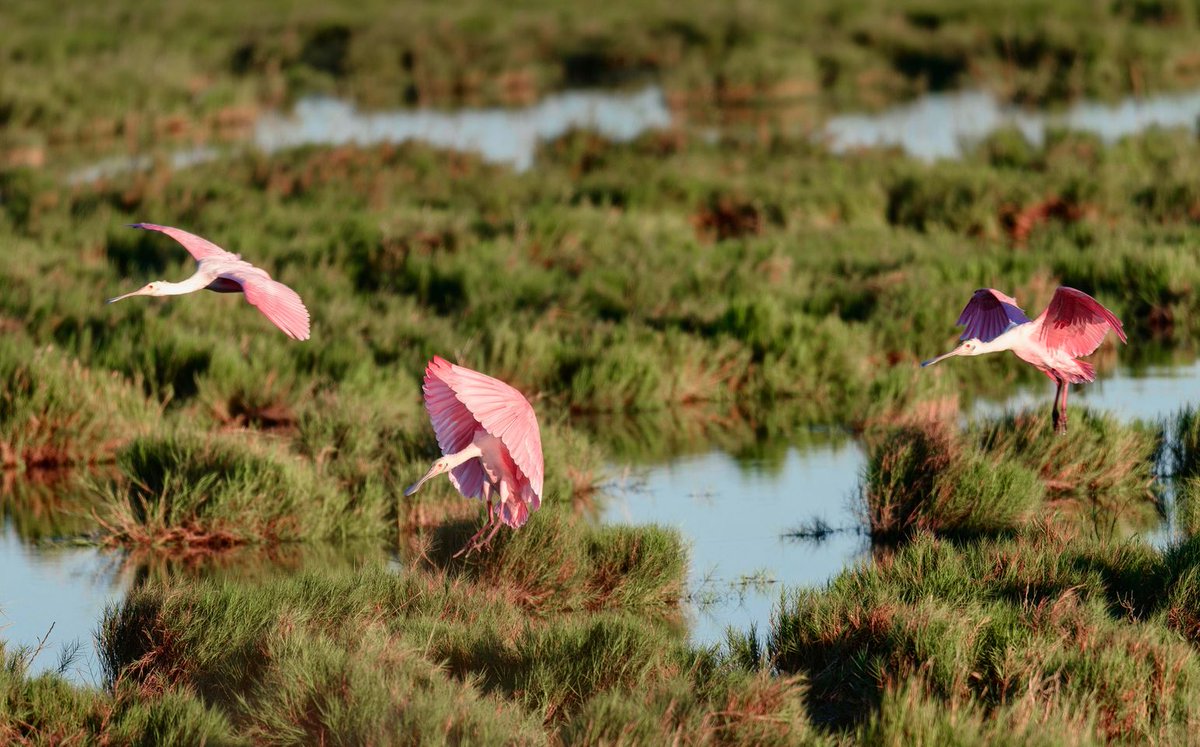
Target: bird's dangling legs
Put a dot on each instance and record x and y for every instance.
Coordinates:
(505, 495)
(495, 528)
(474, 543)
(1060, 407)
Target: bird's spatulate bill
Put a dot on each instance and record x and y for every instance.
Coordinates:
(130, 294)
(433, 472)
(942, 357)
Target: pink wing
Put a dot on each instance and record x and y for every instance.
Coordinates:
(988, 314)
(1076, 323)
(501, 410)
(276, 301)
(199, 248)
(454, 426)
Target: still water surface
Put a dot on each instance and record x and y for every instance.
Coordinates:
(944, 125)
(57, 592)
(935, 125)
(735, 513)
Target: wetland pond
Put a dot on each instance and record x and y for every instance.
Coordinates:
(935, 125)
(733, 510)
(737, 513)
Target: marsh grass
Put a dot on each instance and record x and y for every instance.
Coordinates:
(54, 412)
(1036, 623)
(225, 62)
(46, 709)
(488, 651)
(999, 474)
(219, 491)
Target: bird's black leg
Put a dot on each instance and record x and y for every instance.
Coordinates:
(1054, 411)
(1060, 407)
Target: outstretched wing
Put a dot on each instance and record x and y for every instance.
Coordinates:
(1076, 323)
(454, 426)
(276, 301)
(988, 314)
(501, 410)
(197, 247)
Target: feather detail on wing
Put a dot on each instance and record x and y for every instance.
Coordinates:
(499, 409)
(455, 427)
(276, 301)
(989, 314)
(198, 247)
(1076, 323)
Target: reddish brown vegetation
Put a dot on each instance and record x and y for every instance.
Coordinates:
(1020, 221)
(727, 217)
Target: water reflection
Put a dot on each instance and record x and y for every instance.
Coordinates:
(1152, 393)
(943, 125)
(734, 498)
(61, 591)
(58, 591)
(734, 513)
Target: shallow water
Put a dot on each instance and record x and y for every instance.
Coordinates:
(57, 593)
(1150, 393)
(944, 125)
(935, 125)
(500, 135)
(734, 513)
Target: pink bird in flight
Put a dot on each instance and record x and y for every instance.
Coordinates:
(491, 445)
(1072, 326)
(226, 272)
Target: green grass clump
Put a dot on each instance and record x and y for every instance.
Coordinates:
(491, 651)
(1038, 624)
(724, 707)
(589, 568)
(996, 475)
(55, 412)
(46, 709)
(193, 491)
(1183, 449)
(1100, 457)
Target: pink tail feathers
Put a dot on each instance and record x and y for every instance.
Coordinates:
(1086, 373)
(514, 512)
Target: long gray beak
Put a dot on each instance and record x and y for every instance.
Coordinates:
(433, 471)
(942, 357)
(137, 292)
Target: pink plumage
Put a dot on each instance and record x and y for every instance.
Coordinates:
(1076, 323)
(199, 248)
(470, 410)
(1073, 325)
(225, 272)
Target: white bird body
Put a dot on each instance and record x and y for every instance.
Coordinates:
(225, 272)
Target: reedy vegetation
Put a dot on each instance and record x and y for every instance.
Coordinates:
(180, 70)
(721, 291)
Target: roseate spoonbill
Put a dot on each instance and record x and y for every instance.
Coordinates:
(226, 272)
(1073, 325)
(492, 448)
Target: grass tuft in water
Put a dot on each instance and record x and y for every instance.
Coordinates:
(217, 491)
(993, 477)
